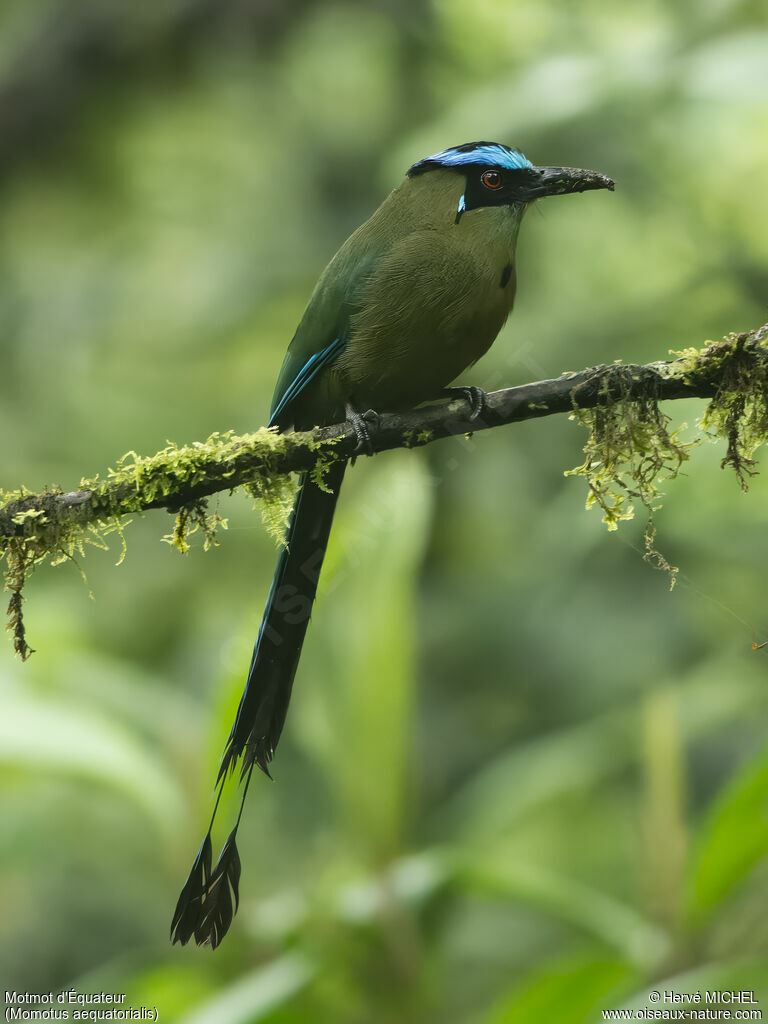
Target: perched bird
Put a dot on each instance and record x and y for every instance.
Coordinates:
(416, 295)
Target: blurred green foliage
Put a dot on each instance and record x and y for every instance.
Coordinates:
(520, 781)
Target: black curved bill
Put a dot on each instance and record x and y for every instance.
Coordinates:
(560, 181)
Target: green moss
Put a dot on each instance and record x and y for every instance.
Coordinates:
(149, 478)
(739, 411)
(190, 519)
(631, 450)
(629, 453)
(59, 533)
(19, 563)
(416, 438)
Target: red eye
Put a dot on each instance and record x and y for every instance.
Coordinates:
(491, 179)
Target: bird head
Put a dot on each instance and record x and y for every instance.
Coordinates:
(496, 175)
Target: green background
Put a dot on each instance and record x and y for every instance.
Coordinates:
(520, 780)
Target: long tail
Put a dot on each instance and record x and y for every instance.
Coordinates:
(205, 907)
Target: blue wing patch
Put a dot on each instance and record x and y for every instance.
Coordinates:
(308, 372)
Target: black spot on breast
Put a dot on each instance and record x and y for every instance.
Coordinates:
(505, 276)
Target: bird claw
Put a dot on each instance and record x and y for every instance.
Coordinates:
(476, 398)
(359, 422)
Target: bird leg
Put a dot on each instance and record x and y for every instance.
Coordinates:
(476, 397)
(360, 422)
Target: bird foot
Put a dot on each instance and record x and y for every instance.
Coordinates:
(476, 397)
(360, 422)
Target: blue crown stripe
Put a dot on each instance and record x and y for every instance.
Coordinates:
(492, 153)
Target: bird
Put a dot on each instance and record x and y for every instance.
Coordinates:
(416, 295)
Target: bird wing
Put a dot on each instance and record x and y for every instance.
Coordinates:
(324, 328)
(308, 370)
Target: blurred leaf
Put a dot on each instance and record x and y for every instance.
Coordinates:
(358, 723)
(664, 831)
(732, 838)
(580, 756)
(255, 995)
(64, 739)
(169, 985)
(742, 976)
(639, 941)
(410, 880)
(564, 990)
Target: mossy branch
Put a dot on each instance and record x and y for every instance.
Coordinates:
(629, 447)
